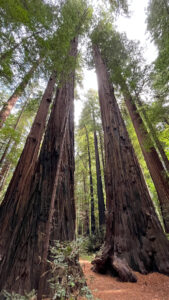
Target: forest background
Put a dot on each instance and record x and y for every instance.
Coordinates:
(35, 41)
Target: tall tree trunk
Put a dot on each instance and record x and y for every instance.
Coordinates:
(100, 195)
(102, 149)
(19, 186)
(86, 208)
(23, 264)
(152, 160)
(6, 110)
(10, 140)
(93, 222)
(64, 216)
(154, 136)
(134, 237)
(4, 173)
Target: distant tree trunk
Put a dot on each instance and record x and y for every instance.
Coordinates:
(102, 149)
(6, 110)
(4, 173)
(24, 264)
(100, 195)
(10, 140)
(134, 237)
(5, 152)
(152, 160)
(154, 136)
(19, 186)
(86, 208)
(93, 222)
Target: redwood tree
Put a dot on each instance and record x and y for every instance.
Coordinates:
(122, 61)
(25, 260)
(154, 135)
(93, 222)
(100, 195)
(152, 160)
(6, 110)
(13, 202)
(134, 237)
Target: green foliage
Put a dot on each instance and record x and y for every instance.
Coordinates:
(67, 279)
(90, 120)
(123, 58)
(92, 243)
(14, 296)
(119, 6)
(158, 26)
(39, 30)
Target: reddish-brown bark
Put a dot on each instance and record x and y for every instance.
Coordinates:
(134, 237)
(93, 222)
(6, 110)
(13, 204)
(102, 149)
(152, 160)
(154, 136)
(86, 230)
(100, 195)
(25, 260)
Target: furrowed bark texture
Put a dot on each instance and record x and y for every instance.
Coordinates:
(64, 216)
(6, 110)
(100, 195)
(134, 237)
(93, 222)
(15, 200)
(153, 162)
(23, 263)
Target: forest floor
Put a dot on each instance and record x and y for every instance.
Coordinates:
(153, 286)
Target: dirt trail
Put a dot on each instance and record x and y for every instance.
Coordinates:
(154, 286)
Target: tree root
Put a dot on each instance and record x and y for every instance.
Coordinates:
(116, 266)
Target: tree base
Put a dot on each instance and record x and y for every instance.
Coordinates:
(115, 266)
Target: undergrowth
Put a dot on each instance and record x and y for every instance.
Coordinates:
(66, 281)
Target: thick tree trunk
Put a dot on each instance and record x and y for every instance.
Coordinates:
(64, 216)
(93, 222)
(24, 262)
(13, 203)
(155, 137)
(134, 236)
(6, 110)
(100, 195)
(153, 162)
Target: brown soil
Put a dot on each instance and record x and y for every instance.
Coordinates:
(153, 286)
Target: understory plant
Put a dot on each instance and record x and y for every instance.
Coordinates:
(67, 280)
